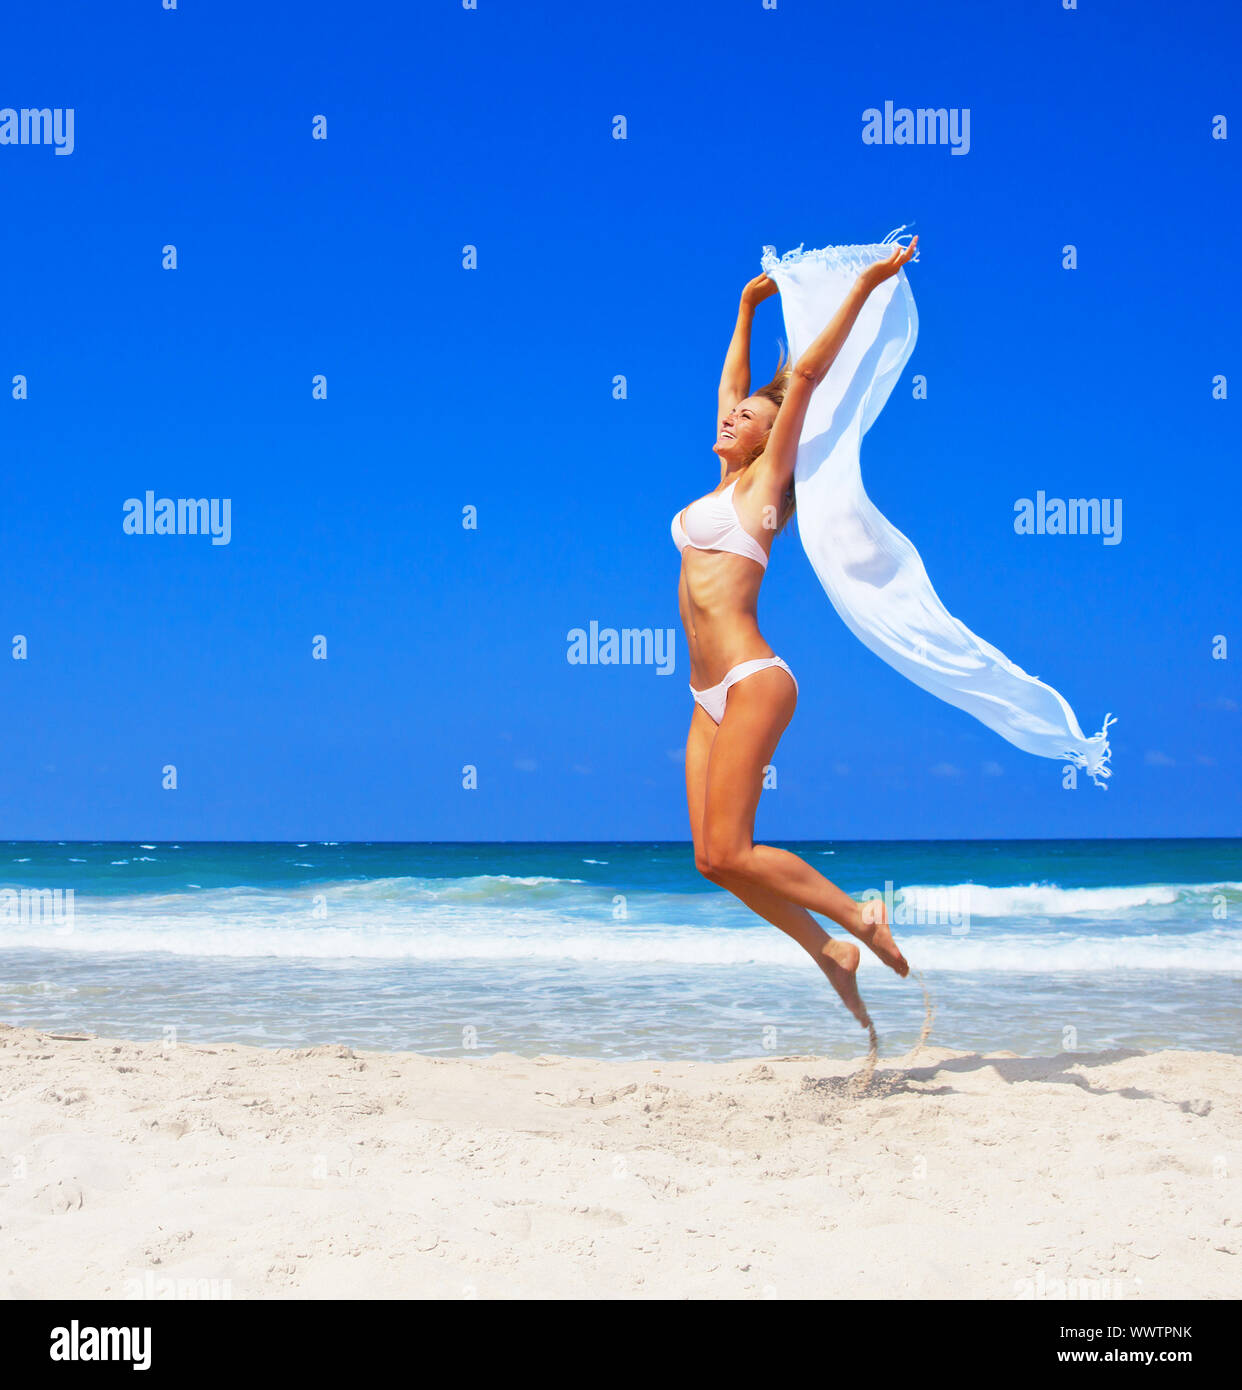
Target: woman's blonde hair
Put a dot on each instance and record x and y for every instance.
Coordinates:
(774, 391)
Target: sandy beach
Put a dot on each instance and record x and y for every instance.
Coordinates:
(140, 1170)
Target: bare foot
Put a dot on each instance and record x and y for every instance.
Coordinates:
(873, 931)
(839, 961)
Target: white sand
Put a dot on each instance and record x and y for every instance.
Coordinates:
(328, 1174)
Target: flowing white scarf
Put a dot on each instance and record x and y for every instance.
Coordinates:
(870, 571)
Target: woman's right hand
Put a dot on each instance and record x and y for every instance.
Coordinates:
(757, 290)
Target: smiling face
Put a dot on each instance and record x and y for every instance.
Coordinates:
(744, 428)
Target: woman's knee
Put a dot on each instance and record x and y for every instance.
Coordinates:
(725, 859)
(703, 864)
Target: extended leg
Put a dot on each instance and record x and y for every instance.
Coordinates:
(837, 959)
(758, 710)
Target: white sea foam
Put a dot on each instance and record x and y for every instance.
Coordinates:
(1050, 900)
(1207, 950)
(1037, 928)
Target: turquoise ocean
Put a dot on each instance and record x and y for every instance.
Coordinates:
(616, 950)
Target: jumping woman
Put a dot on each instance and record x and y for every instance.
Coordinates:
(744, 695)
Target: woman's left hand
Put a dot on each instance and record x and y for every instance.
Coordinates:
(883, 270)
(759, 289)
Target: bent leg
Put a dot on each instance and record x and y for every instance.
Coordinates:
(757, 713)
(837, 959)
(791, 918)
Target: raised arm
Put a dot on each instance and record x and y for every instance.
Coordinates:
(735, 379)
(812, 367)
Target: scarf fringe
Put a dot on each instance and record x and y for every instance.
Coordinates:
(1096, 764)
(843, 257)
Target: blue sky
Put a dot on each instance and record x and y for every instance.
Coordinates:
(492, 388)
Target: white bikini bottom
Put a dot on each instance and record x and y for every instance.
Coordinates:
(713, 699)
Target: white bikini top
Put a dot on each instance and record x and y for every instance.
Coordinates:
(712, 523)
